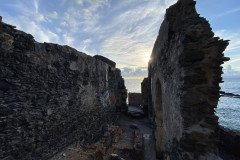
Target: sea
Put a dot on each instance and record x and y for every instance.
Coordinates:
(228, 109)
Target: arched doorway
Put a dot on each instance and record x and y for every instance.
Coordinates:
(159, 132)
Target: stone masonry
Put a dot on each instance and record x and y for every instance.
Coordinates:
(135, 99)
(52, 96)
(145, 95)
(184, 75)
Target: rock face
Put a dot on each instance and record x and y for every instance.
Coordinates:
(184, 76)
(52, 96)
(145, 95)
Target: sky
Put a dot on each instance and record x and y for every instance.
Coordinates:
(121, 30)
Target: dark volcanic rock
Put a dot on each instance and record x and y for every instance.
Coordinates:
(52, 96)
(145, 96)
(184, 75)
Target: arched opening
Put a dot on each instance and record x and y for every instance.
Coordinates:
(159, 132)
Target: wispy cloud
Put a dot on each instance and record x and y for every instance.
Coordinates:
(35, 2)
(40, 33)
(133, 35)
(232, 51)
(68, 39)
(235, 60)
(123, 31)
(39, 17)
(82, 13)
(53, 15)
(227, 12)
(134, 72)
(92, 4)
(230, 72)
(234, 38)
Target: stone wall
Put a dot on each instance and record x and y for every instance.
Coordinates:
(51, 96)
(106, 60)
(134, 99)
(145, 95)
(184, 75)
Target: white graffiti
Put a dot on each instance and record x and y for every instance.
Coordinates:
(104, 99)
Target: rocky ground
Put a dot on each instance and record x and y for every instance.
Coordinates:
(129, 139)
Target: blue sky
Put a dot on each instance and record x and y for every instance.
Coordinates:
(122, 30)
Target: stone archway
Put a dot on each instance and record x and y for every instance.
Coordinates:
(159, 131)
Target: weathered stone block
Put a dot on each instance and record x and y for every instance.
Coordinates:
(134, 99)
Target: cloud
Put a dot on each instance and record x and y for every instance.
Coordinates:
(232, 36)
(230, 72)
(235, 60)
(72, 19)
(64, 23)
(80, 2)
(40, 17)
(134, 72)
(234, 10)
(59, 30)
(231, 51)
(53, 15)
(85, 47)
(123, 31)
(133, 32)
(83, 13)
(86, 43)
(68, 39)
(40, 33)
(35, 2)
(92, 5)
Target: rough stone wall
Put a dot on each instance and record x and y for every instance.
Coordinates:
(150, 105)
(51, 96)
(134, 99)
(145, 95)
(185, 73)
(118, 89)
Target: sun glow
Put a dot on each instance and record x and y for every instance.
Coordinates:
(147, 57)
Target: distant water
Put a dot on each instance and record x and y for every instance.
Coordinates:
(228, 109)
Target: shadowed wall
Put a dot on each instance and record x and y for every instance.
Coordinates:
(184, 73)
(52, 96)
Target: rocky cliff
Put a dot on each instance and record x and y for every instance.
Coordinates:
(52, 96)
(185, 72)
